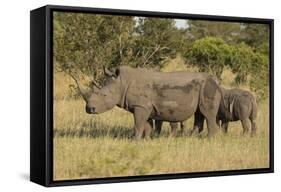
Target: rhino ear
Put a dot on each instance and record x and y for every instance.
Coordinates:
(95, 85)
(107, 72)
(117, 72)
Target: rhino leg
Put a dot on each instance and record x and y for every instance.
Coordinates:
(148, 128)
(218, 123)
(198, 123)
(158, 126)
(210, 97)
(246, 125)
(150, 121)
(174, 127)
(141, 120)
(253, 118)
(182, 125)
(224, 126)
(253, 127)
(211, 125)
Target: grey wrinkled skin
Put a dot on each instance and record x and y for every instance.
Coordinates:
(198, 124)
(162, 96)
(240, 105)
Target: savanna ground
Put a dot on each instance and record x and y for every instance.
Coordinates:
(96, 146)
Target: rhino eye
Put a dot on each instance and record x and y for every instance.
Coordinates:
(102, 94)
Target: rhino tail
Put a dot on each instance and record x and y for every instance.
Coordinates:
(253, 116)
(208, 93)
(254, 111)
(222, 97)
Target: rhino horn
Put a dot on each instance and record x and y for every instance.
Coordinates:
(83, 91)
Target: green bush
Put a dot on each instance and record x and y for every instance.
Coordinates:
(212, 55)
(260, 75)
(241, 62)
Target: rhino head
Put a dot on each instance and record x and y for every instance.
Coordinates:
(100, 99)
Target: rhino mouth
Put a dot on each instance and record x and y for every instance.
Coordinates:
(91, 110)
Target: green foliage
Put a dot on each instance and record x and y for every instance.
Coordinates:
(86, 42)
(155, 41)
(260, 75)
(255, 35)
(210, 55)
(250, 65)
(241, 62)
(228, 31)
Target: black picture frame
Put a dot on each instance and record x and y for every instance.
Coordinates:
(41, 92)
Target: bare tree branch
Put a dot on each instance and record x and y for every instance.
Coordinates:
(157, 48)
(120, 42)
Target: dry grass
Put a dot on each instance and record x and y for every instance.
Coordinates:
(95, 146)
(178, 64)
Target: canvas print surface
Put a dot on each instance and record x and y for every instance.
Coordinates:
(146, 96)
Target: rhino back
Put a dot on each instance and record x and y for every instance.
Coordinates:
(173, 95)
(143, 76)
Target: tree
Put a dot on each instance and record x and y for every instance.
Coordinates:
(228, 31)
(259, 81)
(241, 62)
(87, 42)
(256, 36)
(210, 55)
(155, 41)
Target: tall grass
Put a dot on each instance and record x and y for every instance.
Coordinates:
(95, 146)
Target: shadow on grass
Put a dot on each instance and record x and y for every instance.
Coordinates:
(95, 130)
(98, 129)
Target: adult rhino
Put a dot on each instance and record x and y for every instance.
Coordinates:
(164, 96)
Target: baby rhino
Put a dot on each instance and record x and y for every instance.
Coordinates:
(238, 105)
